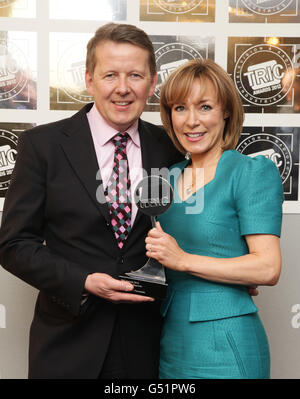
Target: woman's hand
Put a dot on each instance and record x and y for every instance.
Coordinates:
(164, 248)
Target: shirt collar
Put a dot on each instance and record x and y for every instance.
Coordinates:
(98, 124)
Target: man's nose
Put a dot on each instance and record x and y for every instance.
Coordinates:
(122, 86)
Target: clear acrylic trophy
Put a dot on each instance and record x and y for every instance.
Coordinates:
(153, 196)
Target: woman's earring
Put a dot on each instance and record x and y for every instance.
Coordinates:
(188, 155)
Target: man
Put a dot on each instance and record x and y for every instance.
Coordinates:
(58, 231)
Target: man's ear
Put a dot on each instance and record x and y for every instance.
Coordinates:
(89, 83)
(153, 85)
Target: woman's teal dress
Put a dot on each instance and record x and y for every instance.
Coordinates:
(212, 330)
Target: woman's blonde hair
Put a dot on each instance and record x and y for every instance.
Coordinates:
(179, 85)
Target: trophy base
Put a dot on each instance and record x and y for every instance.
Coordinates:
(146, 286)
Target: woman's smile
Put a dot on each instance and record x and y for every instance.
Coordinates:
(194, 136)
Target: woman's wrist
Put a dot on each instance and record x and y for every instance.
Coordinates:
(184, 262)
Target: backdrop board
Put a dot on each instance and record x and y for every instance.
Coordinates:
(18, 70)
(18, 8)
(263, 71)
(9, 134)
(173, 51)
(177, 10)
(109, 10)
(67, 69)
(264, 11)
(42, 67)
(281, 145)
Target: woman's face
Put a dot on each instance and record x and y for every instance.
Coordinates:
(199, 122)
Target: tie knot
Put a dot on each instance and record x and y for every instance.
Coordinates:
(120, 139)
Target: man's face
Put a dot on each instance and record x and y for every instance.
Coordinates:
(121, 83)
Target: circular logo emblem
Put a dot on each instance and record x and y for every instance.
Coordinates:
(13, 70)
(169, 57)
(6, 3)
(258, 74)
(153, 195)
(8, 152)
(177, 6)
(271, 147)
(267, 7)
(71, 71)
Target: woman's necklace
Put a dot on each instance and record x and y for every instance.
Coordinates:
(193, 177)
(189, 189)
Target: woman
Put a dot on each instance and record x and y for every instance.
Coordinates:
(211, 327)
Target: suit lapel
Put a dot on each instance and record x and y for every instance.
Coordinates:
(148, 145)
(78, 146)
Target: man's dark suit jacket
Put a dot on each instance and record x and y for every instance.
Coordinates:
(55, 232)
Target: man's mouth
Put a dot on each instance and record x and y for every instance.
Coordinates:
(122, 103)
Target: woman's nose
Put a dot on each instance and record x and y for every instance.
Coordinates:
(193, 118)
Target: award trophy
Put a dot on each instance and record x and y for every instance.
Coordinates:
(153, 196)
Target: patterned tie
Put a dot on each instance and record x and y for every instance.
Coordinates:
(117, 193)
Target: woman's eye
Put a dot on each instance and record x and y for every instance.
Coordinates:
(206, 107)
(179, 108)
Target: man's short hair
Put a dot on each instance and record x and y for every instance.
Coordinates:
(120, 33)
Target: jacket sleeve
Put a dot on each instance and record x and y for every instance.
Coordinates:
(23, 250)
(259, 197)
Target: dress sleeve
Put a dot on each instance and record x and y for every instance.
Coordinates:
(259, 197)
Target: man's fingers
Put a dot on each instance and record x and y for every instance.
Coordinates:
(252, 290)
(113, 284)
(114, 290)
(103, 285)
(124, 286)
(130, 298)
(118, 292)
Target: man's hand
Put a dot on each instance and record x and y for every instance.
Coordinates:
(113, 290)
(252, 290)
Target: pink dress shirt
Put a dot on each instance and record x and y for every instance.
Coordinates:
(102, 134)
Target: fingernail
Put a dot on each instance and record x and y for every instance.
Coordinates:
(128, 287)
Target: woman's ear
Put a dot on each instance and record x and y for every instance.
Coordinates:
(226, 115)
